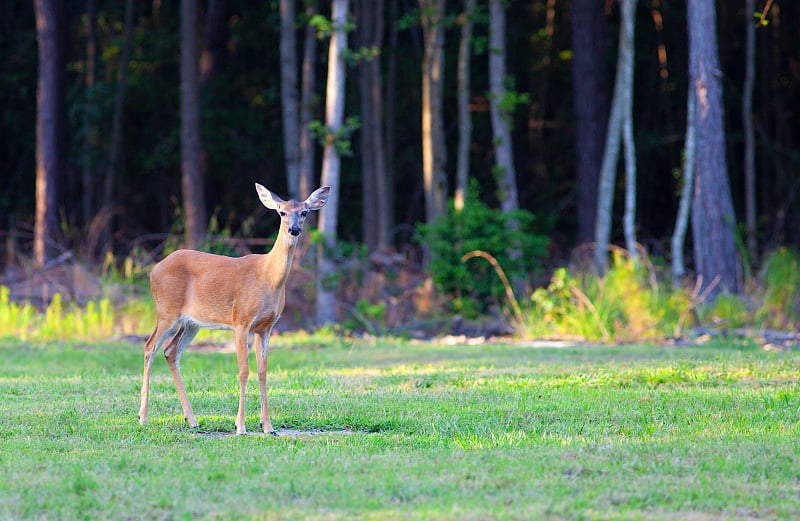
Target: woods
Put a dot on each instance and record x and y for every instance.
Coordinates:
(124, 123)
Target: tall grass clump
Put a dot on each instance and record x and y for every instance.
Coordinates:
(628, 303)
(780, 280)
(95, 321)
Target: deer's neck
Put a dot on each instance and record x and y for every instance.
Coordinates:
(277, 264)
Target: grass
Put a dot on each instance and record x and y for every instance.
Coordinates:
(440, 432)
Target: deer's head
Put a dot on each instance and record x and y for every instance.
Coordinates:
(293, 213)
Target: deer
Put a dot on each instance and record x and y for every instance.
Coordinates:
(193, 289)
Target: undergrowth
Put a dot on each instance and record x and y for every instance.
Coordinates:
(633, 301)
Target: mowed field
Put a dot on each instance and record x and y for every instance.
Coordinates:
(393, 430)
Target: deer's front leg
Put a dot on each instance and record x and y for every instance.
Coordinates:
(261, 357)
(244, 370)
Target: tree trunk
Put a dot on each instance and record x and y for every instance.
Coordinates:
(501, 119)
(713, 218)
(621, 108)
(590, 99)
(289, 98)
(629, 217)
(50, 121)
(390, 97)
(191, 178)
(307, 102)
(115, 151)
(334, 117)
(682, 221)
(749, 134)
(90, 123)
(433, 144)
(464, 117)
(376, 225)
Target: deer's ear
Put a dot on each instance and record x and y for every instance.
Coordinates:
(268, 199)
(318, 199)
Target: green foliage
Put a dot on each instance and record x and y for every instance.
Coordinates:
(509, 237)
(727, 311)
(367, 316)
(627, 304)
(340, 139)
(57, 322)
(781, 290)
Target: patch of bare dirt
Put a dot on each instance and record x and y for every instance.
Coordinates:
(282, 433)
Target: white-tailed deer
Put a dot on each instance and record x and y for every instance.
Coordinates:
(193, 289)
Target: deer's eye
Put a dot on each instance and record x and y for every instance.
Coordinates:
(304, 213)
(282, 213)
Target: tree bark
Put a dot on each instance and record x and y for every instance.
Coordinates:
(191, 178)
(307, 102)
(89, 122)
(749, 134)
(390, 97)
(629, 217)
(713, 218)
(590, 95)
(376, 225)
(433, 144)
(464, 117)
(50, 122)
(334, 117)
(621, 108)
(115, 151)
(684, 206)
(501, 119)
(289, 97)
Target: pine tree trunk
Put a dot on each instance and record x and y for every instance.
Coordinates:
(334, 117)
(376, 224)
(501, 119)
(464, 117)
(191, 177)
(308, 84)
(289, 98)
(115, 151)
(50, 121)
(590, 101)
(684, 206)
(621, 108)
(713, 218)
(433, 145)
(629, 217)
(749, 134)
(90, 124)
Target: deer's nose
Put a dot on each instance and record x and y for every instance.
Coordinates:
(295, 230)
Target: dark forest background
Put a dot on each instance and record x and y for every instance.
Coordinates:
(241, 126)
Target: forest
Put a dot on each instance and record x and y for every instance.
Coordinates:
(566, 127)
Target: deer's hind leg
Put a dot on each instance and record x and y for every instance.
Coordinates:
(163, 330)
(172, 351)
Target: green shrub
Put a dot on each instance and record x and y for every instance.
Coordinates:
(780, 278)
(626, 304)
(472, 286)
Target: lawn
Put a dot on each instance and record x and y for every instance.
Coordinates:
(408, 432)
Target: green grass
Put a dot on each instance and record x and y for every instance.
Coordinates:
(478, 432)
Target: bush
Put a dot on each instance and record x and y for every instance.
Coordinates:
(473, 286)
(627, 304)
(781, 289)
